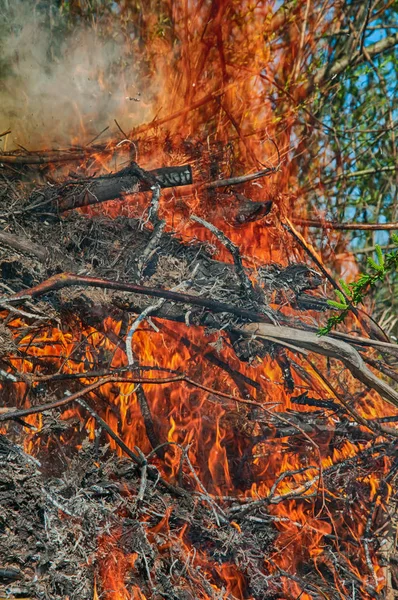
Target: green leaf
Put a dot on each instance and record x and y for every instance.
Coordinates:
(346, 288)
(372, 263)
(342, 297)
(380, 257)
(324, 330)
(338, 305)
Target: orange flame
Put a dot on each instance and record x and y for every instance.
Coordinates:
(219, 114)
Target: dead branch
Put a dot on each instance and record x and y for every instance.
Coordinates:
(345, 226)
(85, 192)
(326, 346)
(7, 414)
(63, 280)
(43, 158)
(23, 245)
(245, 282)
(242, 179)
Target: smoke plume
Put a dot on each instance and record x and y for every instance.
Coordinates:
(63, 84)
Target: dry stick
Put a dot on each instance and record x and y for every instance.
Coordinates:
(240, 512)
(63, 280)
(30, 377)
(301, 242)
(142, 400)
(6, 414)
(17, 311)
(23, 245)
(45, 158)
(204, 494)
(241, 179)
(380, 366)
(362, 341)
(374, 427)
(148, 421)
(97, 136)
(158, 228)
(345, 226)
(246, 284)
(26, 246)
(137, 322)
(95, 190)
(326, 346)
(217, 513)
(144, 475)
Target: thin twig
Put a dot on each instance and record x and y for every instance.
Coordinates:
(136, 458)
(7, 414)
(242, 179)
(246, 284)
(345, 226)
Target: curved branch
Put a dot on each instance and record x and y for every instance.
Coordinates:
(332, 71)
(326, 346)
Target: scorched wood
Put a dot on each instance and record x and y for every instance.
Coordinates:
(84, 192)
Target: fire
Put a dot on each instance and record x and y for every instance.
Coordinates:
(214, 100)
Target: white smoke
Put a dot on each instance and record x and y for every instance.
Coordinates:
(60, 86)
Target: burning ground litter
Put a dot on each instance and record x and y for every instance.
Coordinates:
(172, 426)
(190, 470)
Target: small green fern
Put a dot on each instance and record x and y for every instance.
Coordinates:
(355, 292)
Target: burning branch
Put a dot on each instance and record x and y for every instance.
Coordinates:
(327, 346)
(7, 414)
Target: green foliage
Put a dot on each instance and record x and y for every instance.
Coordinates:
(349, 162)
(355, 292)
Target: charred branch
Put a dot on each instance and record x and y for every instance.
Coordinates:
(79, 193)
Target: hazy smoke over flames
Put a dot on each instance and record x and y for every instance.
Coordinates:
(61, 84)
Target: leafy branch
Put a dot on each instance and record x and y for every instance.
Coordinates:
(355, 292)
